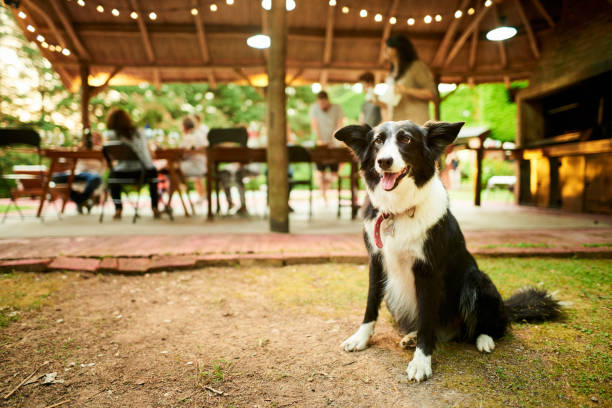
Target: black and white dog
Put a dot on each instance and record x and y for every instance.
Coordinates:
(418, 259)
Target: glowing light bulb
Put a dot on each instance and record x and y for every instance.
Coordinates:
(438, 18)
(44, 45)
(194, 11)
(81, 3)
(488, 3)
(22, 15)
(213, 7)
(363, 13)
(345, 9)
(410, 21)
(153, 15)
(115, 12)
(392, 20)
(229, 2)
(40, 38)
(66, 51)
(30, 28)
(427, 19)
(378, 18)
(471, 11)
(332, 3)
(458, 14)
(133, 15)
(100, 8)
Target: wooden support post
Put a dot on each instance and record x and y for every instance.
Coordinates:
(277, 120)
(437, 101)
(85, 96)
(478, 174)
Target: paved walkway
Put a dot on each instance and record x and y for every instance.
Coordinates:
(81, 243)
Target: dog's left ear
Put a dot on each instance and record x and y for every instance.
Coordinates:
(355, 136)
(441, 134)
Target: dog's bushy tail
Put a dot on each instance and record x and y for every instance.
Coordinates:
(532, 305)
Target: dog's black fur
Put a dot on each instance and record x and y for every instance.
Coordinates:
(455, 299)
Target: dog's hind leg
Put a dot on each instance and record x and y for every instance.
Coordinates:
(359, 340)
(409, 341)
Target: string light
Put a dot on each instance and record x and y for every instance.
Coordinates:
(81, 3)
(52, 48)
(438, 18)
(229, 2)
(332, 3)
(488, 3)
(58, 48)
(66, 51)
(153, 15)
(22, 15)
(194, 11)
(40, 38)
(213, 7)
(44, 45)
(378, 18)
(363, 13)
(345, 9)
(427, 19)
(100, 8)
(30, 28)
(471, 11)
(458, 14)
(410, 21)
(133, 15)
(392, 20)
(115, 12)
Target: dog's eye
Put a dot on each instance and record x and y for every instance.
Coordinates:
(404, 138)
(379, 140)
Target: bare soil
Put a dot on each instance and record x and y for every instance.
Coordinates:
(160, 340)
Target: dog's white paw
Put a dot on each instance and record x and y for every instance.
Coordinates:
(359, 340)
(485, 343)
(409, 340)
(419, 368)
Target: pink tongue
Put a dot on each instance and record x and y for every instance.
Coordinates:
(388, 180)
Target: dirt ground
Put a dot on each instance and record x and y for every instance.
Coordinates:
(220, 337)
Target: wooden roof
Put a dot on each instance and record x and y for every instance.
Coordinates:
(324, 44)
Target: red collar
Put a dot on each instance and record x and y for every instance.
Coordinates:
(384, 216)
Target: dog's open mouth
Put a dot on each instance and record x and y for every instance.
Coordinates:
(390, 180)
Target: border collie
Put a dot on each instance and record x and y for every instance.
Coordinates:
(418, 259)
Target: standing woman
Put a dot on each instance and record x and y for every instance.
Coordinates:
(122, 129)
(411, 83)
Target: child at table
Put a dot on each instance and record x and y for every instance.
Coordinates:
(194, 164)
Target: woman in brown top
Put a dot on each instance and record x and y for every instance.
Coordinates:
(411, 84)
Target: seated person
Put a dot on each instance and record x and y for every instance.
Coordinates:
(194, 164)
(120, 124)
(88, 172)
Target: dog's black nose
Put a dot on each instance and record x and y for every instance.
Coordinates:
(385, 163)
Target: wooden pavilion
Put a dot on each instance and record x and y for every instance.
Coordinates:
(92, 44)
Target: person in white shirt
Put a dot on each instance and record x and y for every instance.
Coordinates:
(325, 118)
(194, 164)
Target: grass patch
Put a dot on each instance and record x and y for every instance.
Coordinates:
(520, 245)
(602, 245)
(3, 208)
(21, 292)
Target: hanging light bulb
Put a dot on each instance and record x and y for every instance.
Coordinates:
(410, 21)
(332, 3)
(44, 45)
(229, 2)
(316, 87)
(345, 9)
(363, 13)
(378, 17)
(427, 19)
(115, 12)
(66, 51)
(438, 18)
(259, 41)
(471, 11)
(40, 38)
(22, 15)
(392, 20)
(194, 11)
(133, 15)
(30, 28)
(458, 14)
(488, 3)
(100, 8)
(267, 4)
(81, 3)
(153, 15)
(213, 7)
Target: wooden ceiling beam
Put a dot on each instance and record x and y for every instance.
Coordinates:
(473, 49)
(80, 49)
(480, 14)
(501, 45)
(387, 30)
(442, 51)
(144, 33)
(533, 42)
(329, 41)
(202, 41)
(295, 76)
(39, 8)
(543, 12)
(94, 90)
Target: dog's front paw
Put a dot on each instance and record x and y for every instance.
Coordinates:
(359, 340)
(409, 340)
(419, 368)
(485, 343)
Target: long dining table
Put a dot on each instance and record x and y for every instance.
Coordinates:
(245, 155)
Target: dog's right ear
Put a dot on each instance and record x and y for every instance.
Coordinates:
(357, 137)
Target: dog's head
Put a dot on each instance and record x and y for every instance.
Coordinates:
(395, 152)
